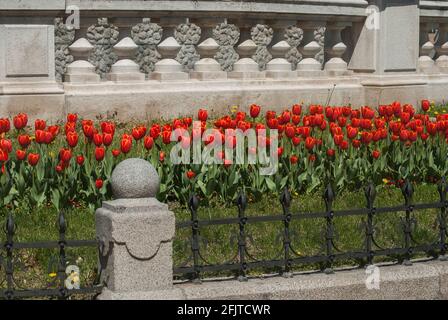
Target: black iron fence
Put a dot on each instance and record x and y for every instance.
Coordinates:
(61, 289)
(289, 257)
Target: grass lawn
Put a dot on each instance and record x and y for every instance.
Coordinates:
(34, 267)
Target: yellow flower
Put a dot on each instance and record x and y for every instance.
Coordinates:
(51, 153)
(234, 109)
(436, 112)
(385, 181)
(53, 274)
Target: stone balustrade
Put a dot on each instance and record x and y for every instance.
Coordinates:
(223, 52)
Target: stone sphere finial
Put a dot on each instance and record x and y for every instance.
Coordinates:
(134, 178)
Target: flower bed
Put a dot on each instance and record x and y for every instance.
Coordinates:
(71, 163)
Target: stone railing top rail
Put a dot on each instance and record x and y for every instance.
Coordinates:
(434, 8)
(328, 7)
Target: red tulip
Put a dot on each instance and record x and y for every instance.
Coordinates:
(6, 145)
(108, 127)
(99, 183)
(202, 115)
(294, 159)
(162, 156)
(295, 141)
(33, 159)
(138, 132)
(80, 160)
(72, 138)
(352, 132)
(296, 109)
(126, 145)
(116, 152)
(24, 140)
(99, 153)
(65, 155)
(148, 142)
(290, 131)
(5, 125)
(107, 139)
(20, 154)
(190, 174)
(3, 156)
(426, 105)
(166, 137)
(344, 145)
(20, 121)
(376, 154)
(98, 139)
(72, 117)
(88, 130)
(39, 124)
(69, 127)
(331, 152)
(154, 132)
(255, 110)
(309, 143)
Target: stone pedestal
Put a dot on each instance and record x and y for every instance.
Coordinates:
(309, 66)
(137, 232)
(208, 68)
(168, 68)
(125, 69)
(246, 67)
(279, 67)
(81, 70)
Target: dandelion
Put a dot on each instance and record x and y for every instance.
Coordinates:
(52, 275)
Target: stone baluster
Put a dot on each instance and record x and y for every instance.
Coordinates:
(168, 68)
(147, 36)
(125, 69)
(335, 49)
(81, 70)
(262, 35)
(426, 63)
(246, 67)
(103, 36)
(227, 36)
(442, 49)
(309, 48)
(207, 68)
(279, 67)
(136, 232)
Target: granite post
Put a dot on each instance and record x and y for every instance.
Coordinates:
(137, 232)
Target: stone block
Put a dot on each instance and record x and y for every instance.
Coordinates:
(27, 52)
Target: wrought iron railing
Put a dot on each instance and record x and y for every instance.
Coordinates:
(289, 257)
(10, 289)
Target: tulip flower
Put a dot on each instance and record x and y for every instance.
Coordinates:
(80, 160)
(426, 105)
(33, 159)
(148, 142)
(202, 115)
(39, 124)
(20, 154)
(254, 110)
(5, 125)
(99, 153)
(99, 183)
(20, 121)
(125, 145)
(190, 174)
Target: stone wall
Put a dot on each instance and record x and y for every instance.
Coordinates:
(127, 55)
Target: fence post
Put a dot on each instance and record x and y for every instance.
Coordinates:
(137, 233)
